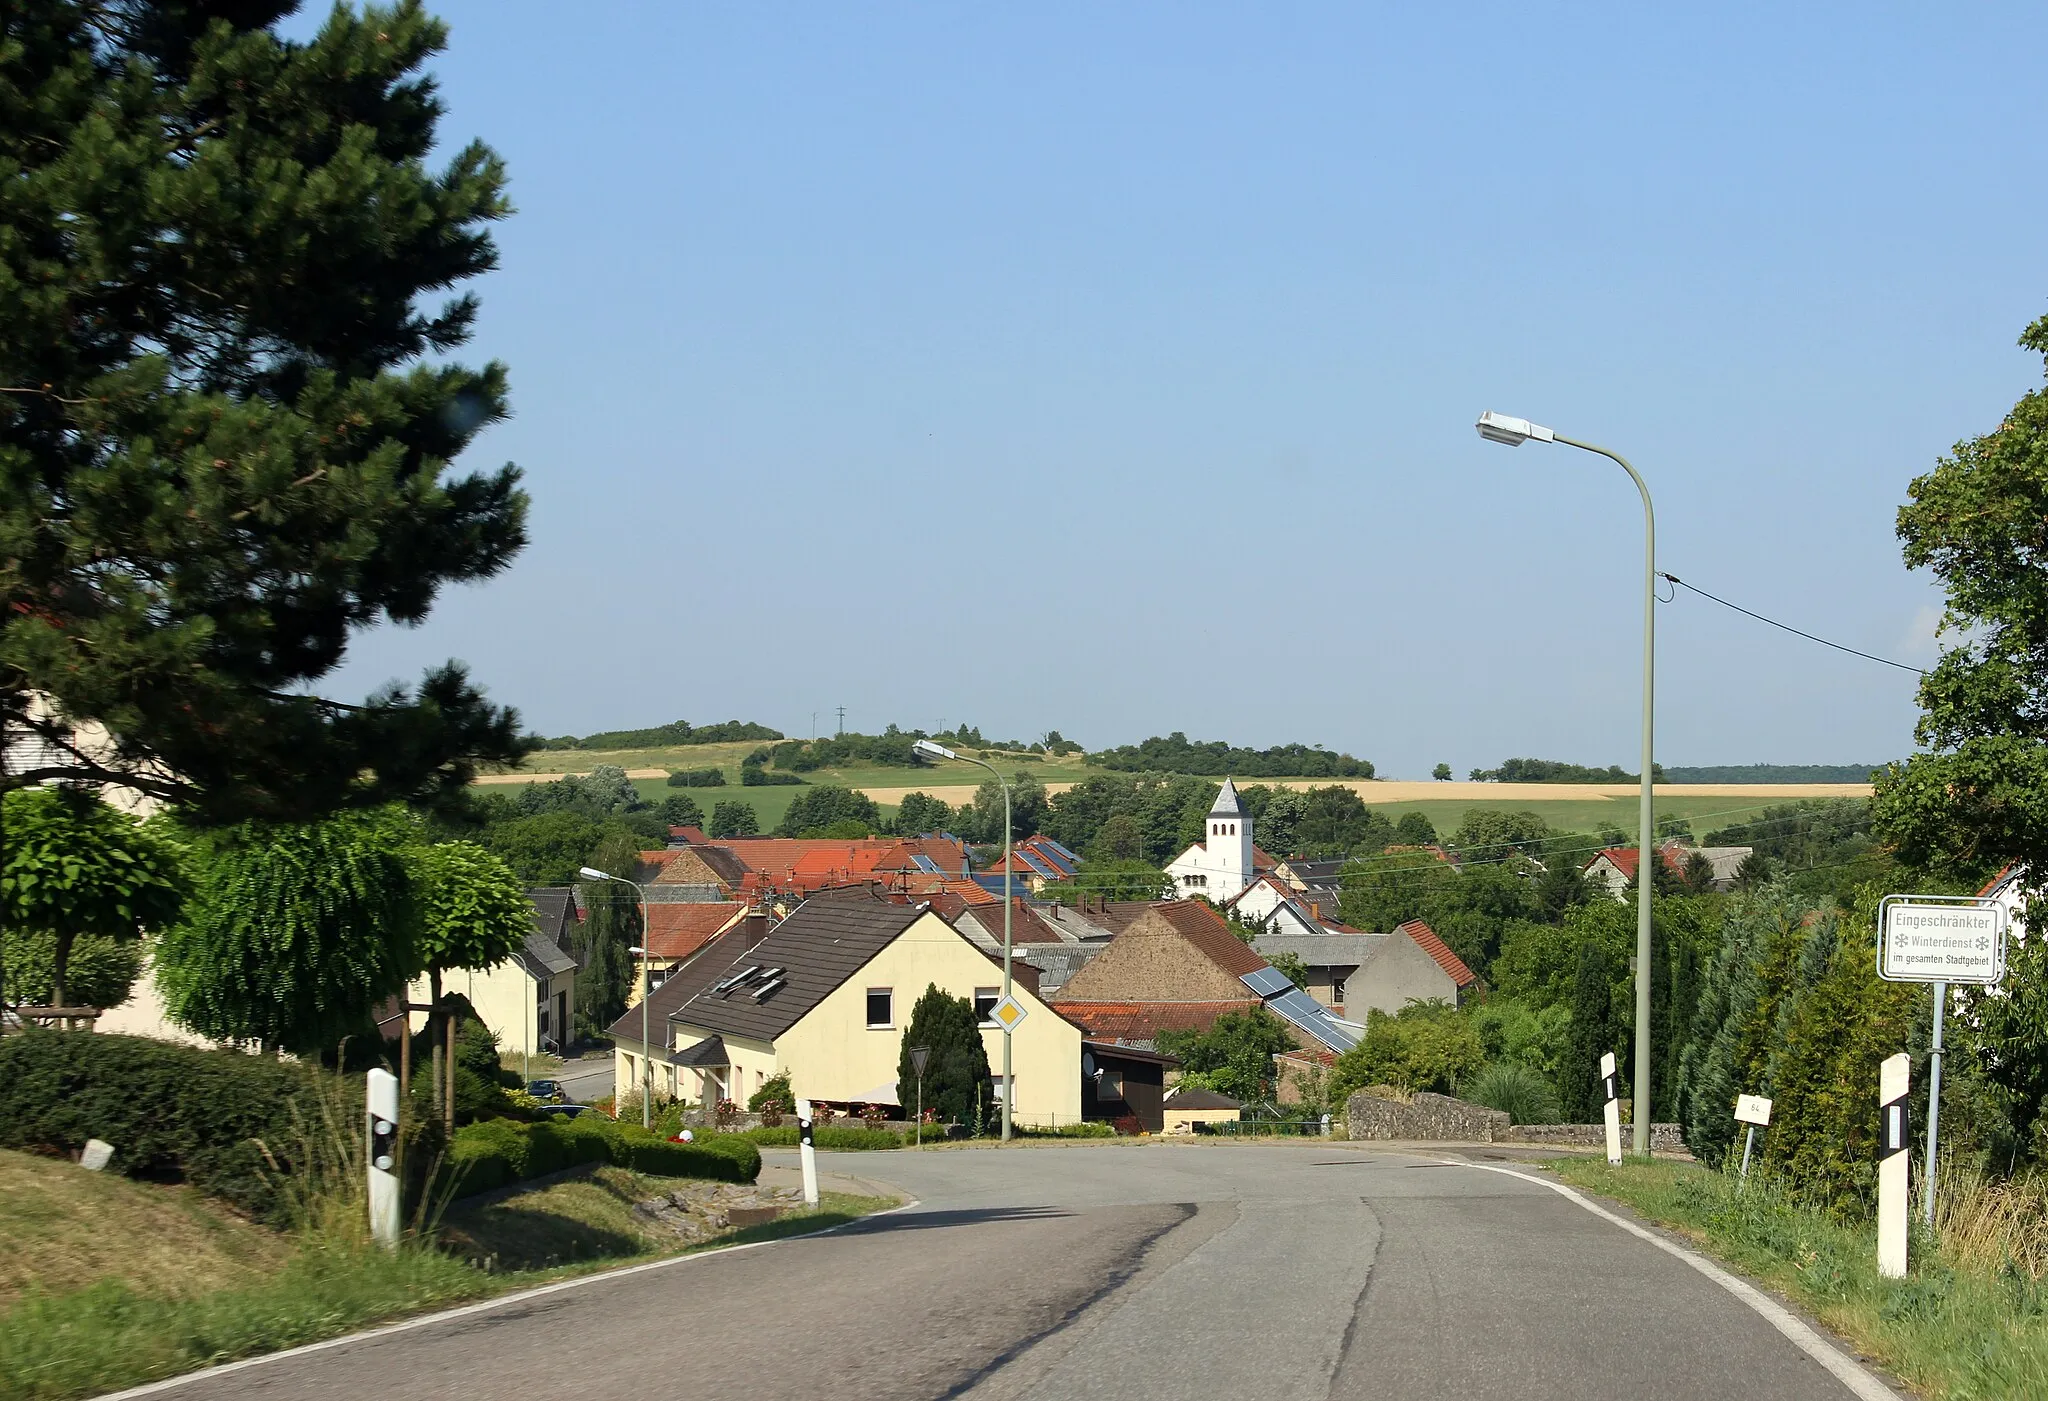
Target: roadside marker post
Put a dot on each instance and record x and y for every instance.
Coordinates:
(1939, 939)
(1755, 1111)
(1894, 1079)
(380, 1109)
(1611, 1111)
(805, 1152)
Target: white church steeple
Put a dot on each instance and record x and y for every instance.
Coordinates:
(1229, 844)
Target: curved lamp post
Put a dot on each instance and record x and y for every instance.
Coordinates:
(646, 1046)
(931, 749)
(1500, 428)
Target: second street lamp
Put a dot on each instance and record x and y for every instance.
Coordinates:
(1513, 432)
(646, 1046)
(933, 750)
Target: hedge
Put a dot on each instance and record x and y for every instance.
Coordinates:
(836, 1136)
(172, 1112)
(498, 1152)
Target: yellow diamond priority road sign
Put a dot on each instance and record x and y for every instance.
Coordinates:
(1009, 1013)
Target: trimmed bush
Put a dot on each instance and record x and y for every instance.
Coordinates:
(696, 778)
(498, 1152)
(845, 1140)
(172, 1112)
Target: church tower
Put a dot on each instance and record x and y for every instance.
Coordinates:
(1229, 844)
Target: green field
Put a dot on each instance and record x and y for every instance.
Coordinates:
(1578, 814)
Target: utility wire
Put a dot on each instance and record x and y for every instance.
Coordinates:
(1787, 627)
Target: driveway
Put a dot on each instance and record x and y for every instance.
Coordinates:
(1129, 1272)
(587, 1078)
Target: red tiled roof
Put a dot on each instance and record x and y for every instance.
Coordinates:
(1426, 938)
(1623, 859)
(679, 930)
(1143, 1021)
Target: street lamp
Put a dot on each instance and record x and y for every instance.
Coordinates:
(646, 1044)
(934, 750)
(1513, 432)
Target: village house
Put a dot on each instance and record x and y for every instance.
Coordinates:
(1355, 974)
(1614, 868)
(826, 995)
(1034, 863)
(757, 868)
(677, 933)
(1176, 966)
(529, 1000)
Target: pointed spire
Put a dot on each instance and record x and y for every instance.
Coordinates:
(1227, 804)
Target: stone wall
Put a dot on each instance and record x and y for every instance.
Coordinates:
(1439, 1118)
(1426, 1117)
(1664, 1138)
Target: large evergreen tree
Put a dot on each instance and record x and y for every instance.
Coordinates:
(1595, 1031)
(226, 421)
(956, 1076)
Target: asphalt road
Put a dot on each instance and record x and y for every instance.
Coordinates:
(1132, 1272)
(587, 1079)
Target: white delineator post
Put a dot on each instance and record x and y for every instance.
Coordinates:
(1611, 1111)
(806, 1153)
(380, 1098)
(1893, 1165)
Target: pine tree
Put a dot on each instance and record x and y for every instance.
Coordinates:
(1595, 1031)
(226, 418)
(958, 1088)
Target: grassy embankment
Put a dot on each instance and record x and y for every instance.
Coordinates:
(1566, 807)
(106, 1283)
(1970, 1321)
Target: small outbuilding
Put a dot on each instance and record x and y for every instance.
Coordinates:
(1186, 1108)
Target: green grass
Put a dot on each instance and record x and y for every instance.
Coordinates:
(126, 1328)
(1951, 1329)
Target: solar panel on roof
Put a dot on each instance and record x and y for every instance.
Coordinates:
(1060, 849)
(1267, 982)
(1312, 1017)
(926, 864)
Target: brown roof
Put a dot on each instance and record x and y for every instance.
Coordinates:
(1143, 1021)
(1437, 949)
(679, 930)
(825, 941)
(1202, 926)
(1201, 1099)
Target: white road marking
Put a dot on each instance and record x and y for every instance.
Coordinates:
(467, 1310)
(1845, 1369)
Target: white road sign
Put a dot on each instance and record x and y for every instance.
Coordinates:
(1008, 1013)
(1924, 941)
(1752, 1109)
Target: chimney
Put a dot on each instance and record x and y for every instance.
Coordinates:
(753, 928)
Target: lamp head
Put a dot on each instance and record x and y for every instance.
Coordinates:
(932, 749)
(1500, 428)
(591, 873)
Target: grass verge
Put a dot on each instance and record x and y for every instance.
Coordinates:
(1959, 1326)
(121, 1331)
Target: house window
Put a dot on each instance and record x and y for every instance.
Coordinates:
(985, 1000)
(1337, 990)
(1001, 1085)
(881, 1009)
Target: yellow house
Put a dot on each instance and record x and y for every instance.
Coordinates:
(529, 1000)
(827, 996)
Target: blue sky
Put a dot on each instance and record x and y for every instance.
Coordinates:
(1112, 369)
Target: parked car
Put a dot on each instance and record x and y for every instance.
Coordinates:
(547, 1091)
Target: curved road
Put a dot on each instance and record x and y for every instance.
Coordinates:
(1232, 1271)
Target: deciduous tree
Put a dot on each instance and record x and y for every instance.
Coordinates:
(73, 867)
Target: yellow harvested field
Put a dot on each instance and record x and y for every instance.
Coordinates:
(1376, 790)
(551, 775)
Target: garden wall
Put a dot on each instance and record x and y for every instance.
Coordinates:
(1440, 1119)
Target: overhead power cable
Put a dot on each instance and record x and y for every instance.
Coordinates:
(1787, 627)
